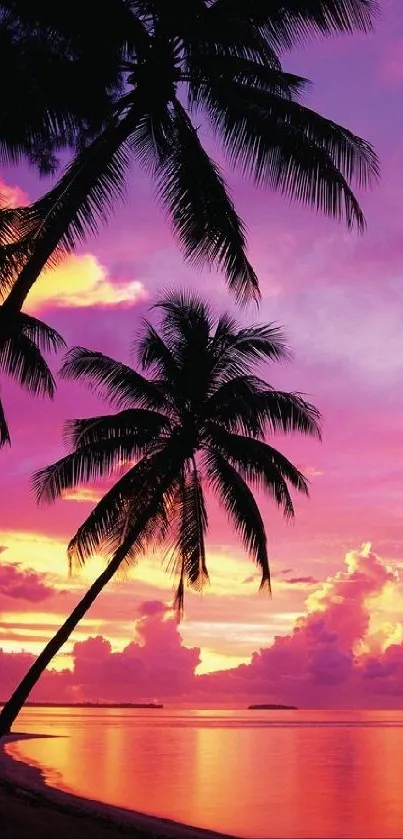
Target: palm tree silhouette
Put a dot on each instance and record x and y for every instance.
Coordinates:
(21, 358)
(176, 69)
(197, 420)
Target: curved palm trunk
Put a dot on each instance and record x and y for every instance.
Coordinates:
(154, 492)
(94, 158)
(14, 705)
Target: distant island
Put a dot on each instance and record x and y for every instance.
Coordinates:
(92, 705)
(272, 708)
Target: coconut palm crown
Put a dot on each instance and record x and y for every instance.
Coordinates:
(198, 421)
(176, 71)
(69, 68)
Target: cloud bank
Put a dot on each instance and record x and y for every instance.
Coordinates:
(337, 655)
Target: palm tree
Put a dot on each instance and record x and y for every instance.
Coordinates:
(21, 358)
(197, 420)
(178, 68)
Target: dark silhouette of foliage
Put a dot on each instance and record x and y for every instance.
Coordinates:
(142, 86)
(194, 416)
(24, 339)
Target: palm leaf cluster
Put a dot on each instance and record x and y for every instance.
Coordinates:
(194, 417)
(60, 92)
(24, 339)
(167, 71)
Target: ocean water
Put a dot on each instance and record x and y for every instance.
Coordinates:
(282, 775)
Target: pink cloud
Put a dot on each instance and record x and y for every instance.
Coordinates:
(13, 667)
(302, 581)
(12, 196)
(153, 666)
(23, 585)
(320, 664)
(151, 607)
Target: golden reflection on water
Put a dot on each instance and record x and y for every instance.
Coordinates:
(287, 775)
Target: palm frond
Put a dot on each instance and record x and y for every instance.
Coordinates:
(10, 221)
(13, 257)
(238, 349)
(119, 384)
(261, 74)
(233, 405)
(288, 413)
(4, 432)
(184, 313)
(261, 465)
(261, 342)
(134, 511)
(154, 354)
(85, 194)
(288, 147)
(87, 463)
(137, 427)
(243, 511)
(141, 526)
(151, 138)
(21, 359)
(286, 23)
(188, 554)
(202, 213)
(155, 524)
(41, 334)
(104, 523)
(225, 34)
(246, 404)
(108, 523)
(193, 529)
(292, 21)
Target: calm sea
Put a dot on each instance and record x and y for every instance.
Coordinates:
(324, 775)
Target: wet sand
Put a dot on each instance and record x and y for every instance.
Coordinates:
(29, 809)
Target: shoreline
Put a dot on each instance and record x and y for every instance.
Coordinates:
(30, 807)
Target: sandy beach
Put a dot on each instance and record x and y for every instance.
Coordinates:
(30, 808)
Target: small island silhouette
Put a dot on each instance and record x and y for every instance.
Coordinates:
(272, 708)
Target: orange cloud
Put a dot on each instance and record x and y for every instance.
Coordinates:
(81, 282)
(83, 494)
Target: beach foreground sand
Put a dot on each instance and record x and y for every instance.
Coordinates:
(31, 810)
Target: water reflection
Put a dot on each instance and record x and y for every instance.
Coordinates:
(287, 775)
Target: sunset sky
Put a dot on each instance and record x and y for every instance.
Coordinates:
(337, 603)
